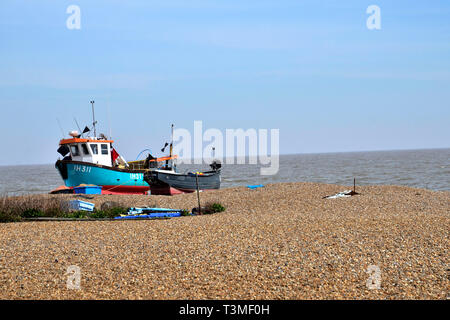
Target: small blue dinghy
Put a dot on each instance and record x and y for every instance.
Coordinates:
(150, 210)
(150, 213)
(253, 187)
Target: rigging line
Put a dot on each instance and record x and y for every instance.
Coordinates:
(109, 118)
(60, 127)
(79, 130)
(123, 184)
(150, 151)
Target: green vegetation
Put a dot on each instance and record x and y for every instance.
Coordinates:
(108, 213)
(13, 209)
(96, 214)
(185, 213)
(32, 213)
(213, 207)
(21, 208)
(16, 208)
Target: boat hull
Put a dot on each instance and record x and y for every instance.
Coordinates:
(113, 180)
(169, 183)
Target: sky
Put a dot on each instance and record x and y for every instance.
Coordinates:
(311, 69)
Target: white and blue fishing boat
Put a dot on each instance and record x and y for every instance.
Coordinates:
(92, 160)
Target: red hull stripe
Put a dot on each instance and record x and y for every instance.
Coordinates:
(167, 191)
(125, 190)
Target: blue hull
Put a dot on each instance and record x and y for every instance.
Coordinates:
(112, 180)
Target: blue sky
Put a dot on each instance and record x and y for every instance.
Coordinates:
(309, 68)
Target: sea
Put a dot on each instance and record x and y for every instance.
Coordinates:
(429, 169)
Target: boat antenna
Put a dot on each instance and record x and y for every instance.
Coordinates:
(171, 142)
(76, 122)
(93, 118)
(60, 127)
(109, 118)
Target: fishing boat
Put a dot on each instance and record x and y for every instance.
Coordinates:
(92, 160)
(166, 181)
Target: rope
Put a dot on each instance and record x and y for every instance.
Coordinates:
(122, 184)
(150, 151)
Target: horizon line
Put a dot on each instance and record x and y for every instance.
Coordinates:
(281, 154)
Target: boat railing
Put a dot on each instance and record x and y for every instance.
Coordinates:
(146, 165)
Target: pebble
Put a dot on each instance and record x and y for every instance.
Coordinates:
(282, 241)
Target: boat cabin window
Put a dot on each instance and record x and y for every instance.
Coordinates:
(75, 151)
(94, 148)
(104, 148)
(85, 149)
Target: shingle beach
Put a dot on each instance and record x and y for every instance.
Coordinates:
(283, 241)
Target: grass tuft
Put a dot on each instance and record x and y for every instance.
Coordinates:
(213, 207)
(14, 209)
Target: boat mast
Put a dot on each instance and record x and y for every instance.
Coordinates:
(171, 143)
(171, 148)
(93, 118)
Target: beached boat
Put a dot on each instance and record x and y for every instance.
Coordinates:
(168, 182)
(93, 160)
